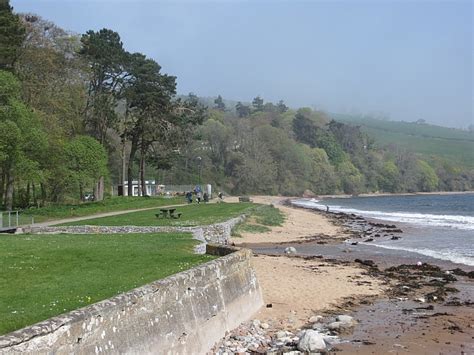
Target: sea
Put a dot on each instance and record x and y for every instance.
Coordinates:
(436, 226)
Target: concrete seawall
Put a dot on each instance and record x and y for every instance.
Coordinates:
(185, 313)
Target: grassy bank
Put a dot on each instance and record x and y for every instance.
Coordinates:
(55, 212)
(259, 220)
(191, 215)
(46, 275)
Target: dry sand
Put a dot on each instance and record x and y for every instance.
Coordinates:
(299, 225)
(298, 288)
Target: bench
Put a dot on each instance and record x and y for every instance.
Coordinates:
(165, 212)
(168, 213)
(244, 199)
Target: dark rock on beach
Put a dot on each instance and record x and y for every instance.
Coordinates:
(365, 262)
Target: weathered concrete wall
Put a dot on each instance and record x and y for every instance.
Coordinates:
(218, 233)
(182, 314)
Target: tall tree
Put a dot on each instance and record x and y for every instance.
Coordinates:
(427, 178)
(281, 107)
(242, 110)
(147, 94)
(304, 129)
(53, 76)
(12, 34)
(106, 57)
(257, 104)
(152, 114)
(21, 138)
(219, 103)
(258, 171)
(86, 161)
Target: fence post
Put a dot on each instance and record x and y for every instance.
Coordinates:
(9, 219)
(1, 219)
(17, 219)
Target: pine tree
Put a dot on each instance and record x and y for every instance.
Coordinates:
(12, 34)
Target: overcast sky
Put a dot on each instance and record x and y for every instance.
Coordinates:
(407, 60)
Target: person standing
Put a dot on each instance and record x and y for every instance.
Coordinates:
(189, 196)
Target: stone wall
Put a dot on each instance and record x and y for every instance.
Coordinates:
(218, 233)
(182, 314)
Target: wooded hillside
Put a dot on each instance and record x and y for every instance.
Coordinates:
(79, 113)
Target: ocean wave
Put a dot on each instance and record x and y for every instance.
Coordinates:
(440, 254)
(424, 219)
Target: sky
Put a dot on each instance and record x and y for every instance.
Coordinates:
(403, 60)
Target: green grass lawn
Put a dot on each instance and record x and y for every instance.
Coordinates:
(90, 208)
(260, 219)
(46, 275)
(192, 215)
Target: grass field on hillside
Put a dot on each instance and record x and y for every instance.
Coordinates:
(55, 212)
(192, 215)
(449, 143)
(47, 275)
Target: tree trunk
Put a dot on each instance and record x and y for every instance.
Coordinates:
(27, 202)
(142, 174)
(9, 191)
(35, 200)
(43, 194)
(122, 182)
(2, 188)
(131, 158)
(81, 193)
(101, 189)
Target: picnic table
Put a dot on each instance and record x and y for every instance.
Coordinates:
(244, 199)
(168, 213)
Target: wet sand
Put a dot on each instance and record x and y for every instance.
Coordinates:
(391, 323)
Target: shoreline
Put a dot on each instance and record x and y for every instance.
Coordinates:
(361, 303)
(382, 194)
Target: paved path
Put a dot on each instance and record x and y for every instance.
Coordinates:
(99, 215)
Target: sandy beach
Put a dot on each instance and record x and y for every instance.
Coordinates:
(299, 288)
(300, 225)
(296, 289)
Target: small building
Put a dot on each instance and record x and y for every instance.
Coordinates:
(152, 188)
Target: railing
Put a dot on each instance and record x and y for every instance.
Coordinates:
(13, 219)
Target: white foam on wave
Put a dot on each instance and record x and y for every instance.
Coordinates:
(434, 220)
(440, 254)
